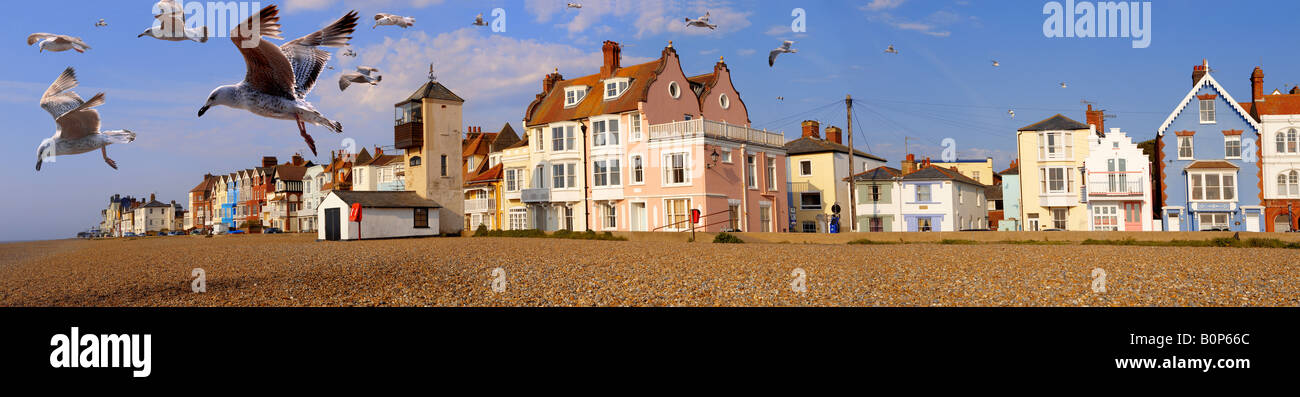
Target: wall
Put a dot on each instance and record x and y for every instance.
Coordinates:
(376, 222)
(968, 168)
(1030, 186)
(1010, 203)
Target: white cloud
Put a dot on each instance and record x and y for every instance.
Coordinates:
(932, 25)
(648, 18)
(877, 5)
(296, 5)
(746, 51)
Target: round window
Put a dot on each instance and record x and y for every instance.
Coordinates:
(674, 90)
(724, 101)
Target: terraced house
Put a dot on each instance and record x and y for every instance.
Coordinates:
(637, 148)
(818, 168)
(1278, 114)
(481, 162)
(1208, 161)
(1051, 154)
(919, 197)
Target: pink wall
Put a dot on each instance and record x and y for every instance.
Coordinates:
(736, 114)
(660, 107)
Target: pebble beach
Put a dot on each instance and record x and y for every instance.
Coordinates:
(296, 270)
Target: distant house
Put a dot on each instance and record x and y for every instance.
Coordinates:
(384, 215)
(919, 198)
(1010, 198)
(313, 181)
(153, 217)
(817, 170)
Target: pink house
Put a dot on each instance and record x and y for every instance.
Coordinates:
(636, 148)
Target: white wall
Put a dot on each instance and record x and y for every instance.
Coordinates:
(376, 222)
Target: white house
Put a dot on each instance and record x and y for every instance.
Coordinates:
(931, 198)
(1118, 185)
(384, 215)
(312, 195)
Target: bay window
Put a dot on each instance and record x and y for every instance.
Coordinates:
(1212, 186)
(1056, 145)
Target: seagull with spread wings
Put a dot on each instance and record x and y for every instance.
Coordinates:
(783, 49)
(701, 22)
(77, 123)
(383, 19)
(57, 42)
(278, 79)
(169, 24)
(364, 74)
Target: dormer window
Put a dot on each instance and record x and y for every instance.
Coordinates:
(574, 95)
(615, 87)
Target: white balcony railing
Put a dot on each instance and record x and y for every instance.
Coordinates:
(539, 195)
(715, 129)
(1115, 184)
(478, 205)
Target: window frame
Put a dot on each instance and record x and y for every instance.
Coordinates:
(804, 206)
(1211, 112)
(1227, 153)
(805, 164)
(1063, 140)
(420, 215)
(1225, 183)
(638, 169)
(574, 95)
(928, 194)
(670, 170)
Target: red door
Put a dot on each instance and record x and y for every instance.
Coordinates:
(1133, 217)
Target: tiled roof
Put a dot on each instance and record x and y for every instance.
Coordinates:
(933, 172)
(1273, 105)
(403, 199)
(505, 138)
(1013, 170)
(1212, 164)
(993, 192)
(807, 145)
(156, 204)
(384, 159)
(882, 173)
(290, 172)
(433, 90)
(1056, 123)
(549, 108)
(204, 186)
(491, 175)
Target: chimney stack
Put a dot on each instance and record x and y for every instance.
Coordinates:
(834, 135)
(1097, 118)
(549, 81)
(1257, 85)
(812, 128)
(613, 57)
(909, 164)
(151, 198)
(269, 161)
(298, 160)
(378, 151)
(1200, 71)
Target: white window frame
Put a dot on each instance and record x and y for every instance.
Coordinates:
(1103, 213)
(605, 131)
(1066, 180)
(567, 174)
(726, 156)
(1288, 184)
(771, 173)
(807, 163)
(1198, 183)
(674, 90)
(567, 139)
(1063, 147)
(1208, 116)
(803, 206)
(668, 169)
(671, 217)
(618, 85)
(929, 193)
(574, 95)
(1227, 139)
(1061, 222)
(1288, 141)
(1191, 147)
(609, 216)
(751, 177)
(607, 173)
(1214, 220)
(724, 101)
(637, 164)
(634, 123)
(512, 179)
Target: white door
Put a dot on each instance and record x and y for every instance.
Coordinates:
(638, 217)
(1175, 225)
(1252, 223)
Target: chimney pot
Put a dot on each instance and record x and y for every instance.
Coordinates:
(613, 54)
(811, 128)
(835, 135)
(1257, 85)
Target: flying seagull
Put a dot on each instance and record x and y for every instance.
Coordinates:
(349, 53)
(1012, 113)
(891, 50)
(1063, 84)
(574, 5)
(170, 25)
(478, 20)
(278, 79)
(101, 23)
(701, 22)
(996, 64)
(784, 48)
(362, 75)
(77, 123)
(382, 19)
(57, 42)
(780, 98)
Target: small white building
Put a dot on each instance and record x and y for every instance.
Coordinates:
(929, 199)
(384, 215)
(1118, 184)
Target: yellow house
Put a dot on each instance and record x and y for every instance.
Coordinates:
(514, 179)
(1051, 154)
(818, 169)
(979, 170)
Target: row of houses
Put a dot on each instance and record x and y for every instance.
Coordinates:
(126, 216)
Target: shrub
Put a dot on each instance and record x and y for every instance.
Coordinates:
(958, 242)
(481, 229)
(727, 238)
(872, 242)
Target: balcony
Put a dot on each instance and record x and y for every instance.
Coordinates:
(478, 205)
(715, 129)
(1115, 184)
(409, 135)
(536, 195)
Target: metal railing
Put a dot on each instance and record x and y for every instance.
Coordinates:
(1116, 186)
(478, 205)
(688, 220)
(714, 129)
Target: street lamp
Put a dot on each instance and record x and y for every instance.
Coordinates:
(713, 158)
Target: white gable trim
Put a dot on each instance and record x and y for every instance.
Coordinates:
(1207, 79)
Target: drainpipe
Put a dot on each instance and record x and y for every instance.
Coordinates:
(744, 187)
(586, 185)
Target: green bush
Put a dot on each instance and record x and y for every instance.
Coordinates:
(727, 238)
(958, 242)
(872, 242)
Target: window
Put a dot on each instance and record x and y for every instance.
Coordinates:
(924, 225)
(1213, 186)
(805, 167)
(1105, 218)
(615, 87)
(1185, 148)
(638, 170)
(975, 175)
(751, 179)
(557, 139)
(1056, 180)
(809, 227)
(444, 165)
(1055, 145)
(568, 218)
(604, 133)
(635, 120)
(1288, 184)
(923, 193)
(611, 216)
(961, 198)
(875, 193)
(765, 217)
(876, 224)
(1207, 111)
(518, 219)
(733, 217)
(724, 101)
(677, 171)
(606, 173)
(674, 90)
(1214, 221)
(1060, 218)
(422, 218)
(677, 213)
(512, 180)
(726, 156)
(1232, 146)
(574, 95)
(563, 176)
(1288, 142)
(771, 174)
(469, 163)
(810, 200)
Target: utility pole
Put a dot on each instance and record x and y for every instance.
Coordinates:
(853, 203)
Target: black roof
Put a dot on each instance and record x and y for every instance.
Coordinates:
(1056, 123)
(807, 145)
(505, 139)
(433, 90)
(882, 173)
(936, 173)
(403, 199)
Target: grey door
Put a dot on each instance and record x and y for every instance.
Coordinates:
(332, 224)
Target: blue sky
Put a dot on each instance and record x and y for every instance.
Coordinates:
(940, 85)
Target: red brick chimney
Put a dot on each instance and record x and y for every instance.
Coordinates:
(1257, 85)
(549, 81)
(1097, 118)
(909, 164)
(811, 128)
(378, 151)
(834, 134)
(613, 56)
(151, 198)
(925, 163)
(269, 161)
(298, 160)
(1200, 71)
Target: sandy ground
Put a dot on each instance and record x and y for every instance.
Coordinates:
(295, 270)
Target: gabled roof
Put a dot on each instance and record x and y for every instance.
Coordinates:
(290, 172)
(491, 175)
(806, 145)
(934, 172)
(403, 199)
(1212, 165)
(433, 90)
(504, 139)
(1056, 123)
(1207, 80)
(549, 106)
(155, 204)
(204, 186)
(1013, 170)
(881, 173)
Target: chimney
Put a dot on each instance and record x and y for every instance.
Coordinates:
(925, 163)
(298, 160)
(613, 56)
(1257, 85)
(812, 128)
(909, 164)
(1200, 71)
(834, 134)
(151, 197)
(378, 152)
(549, 81)
(1096, 118)
(269, 161)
